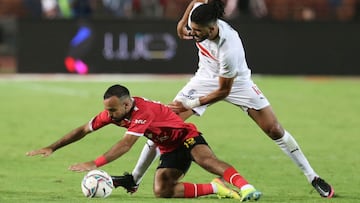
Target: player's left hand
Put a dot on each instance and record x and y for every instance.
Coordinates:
(45, 152)
(177, 107)
(185, 34)
(86, 166)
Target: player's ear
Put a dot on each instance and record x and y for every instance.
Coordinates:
(212, 28)
(128, 102)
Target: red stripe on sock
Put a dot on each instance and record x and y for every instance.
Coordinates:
(196, 190)
(234, 178)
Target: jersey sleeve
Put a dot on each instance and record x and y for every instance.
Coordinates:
(99, 121)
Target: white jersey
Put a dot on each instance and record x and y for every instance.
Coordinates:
(224, 57)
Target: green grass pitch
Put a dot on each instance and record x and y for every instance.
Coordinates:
(322, 114)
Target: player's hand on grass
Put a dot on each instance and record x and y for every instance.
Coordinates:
(86, 166)
(44, 152)
(177, 107)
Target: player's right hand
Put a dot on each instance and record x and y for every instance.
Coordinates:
(44, 152)
(177, 107)
(81, 167)
(185, 34)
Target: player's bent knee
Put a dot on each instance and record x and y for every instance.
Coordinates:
(163, 192)
(275, 131)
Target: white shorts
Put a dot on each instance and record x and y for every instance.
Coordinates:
(244, 94)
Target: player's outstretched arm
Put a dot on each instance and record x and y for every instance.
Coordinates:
(120, 148)
(69, 138)
(44, 152)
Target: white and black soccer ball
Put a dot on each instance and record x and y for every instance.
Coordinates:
(97, 183)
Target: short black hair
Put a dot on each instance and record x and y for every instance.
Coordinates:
(116, 90)
(208, 13)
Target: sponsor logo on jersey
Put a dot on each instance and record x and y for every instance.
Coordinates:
(140, 121)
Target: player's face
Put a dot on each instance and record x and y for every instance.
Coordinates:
(116, 108)
(199, 32)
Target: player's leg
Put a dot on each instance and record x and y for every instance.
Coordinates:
(166, 183)
(267, 121)
(172, 167)
(131, 181)
(148, 154)
(250, 98)
(204, 156)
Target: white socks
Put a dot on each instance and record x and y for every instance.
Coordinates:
(147, 156)
(214, 187)
(290, 147)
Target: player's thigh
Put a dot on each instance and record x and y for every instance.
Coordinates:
(266, 119)
(204, 157)
(167, 176)
(196, 88)
(263, 117)
(247, 95)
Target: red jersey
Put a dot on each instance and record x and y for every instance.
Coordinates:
(153, 120)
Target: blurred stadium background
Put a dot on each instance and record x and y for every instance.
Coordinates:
(281, 37)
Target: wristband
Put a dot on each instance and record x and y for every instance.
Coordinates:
(189, 104)
(100, 161)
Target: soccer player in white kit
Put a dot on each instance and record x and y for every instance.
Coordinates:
(223, 74)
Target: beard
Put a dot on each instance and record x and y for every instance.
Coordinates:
(119, 118)
(116, 119)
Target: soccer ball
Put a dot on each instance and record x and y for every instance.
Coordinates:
(97, 183)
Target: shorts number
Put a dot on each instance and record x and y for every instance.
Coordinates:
(189, 142)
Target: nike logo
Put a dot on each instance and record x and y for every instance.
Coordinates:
(296, 149)
(323, 192)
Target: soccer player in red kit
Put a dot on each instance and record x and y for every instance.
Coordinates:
(179, 143)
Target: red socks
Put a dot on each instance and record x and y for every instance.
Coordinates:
(192, 190)
(234, 178)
